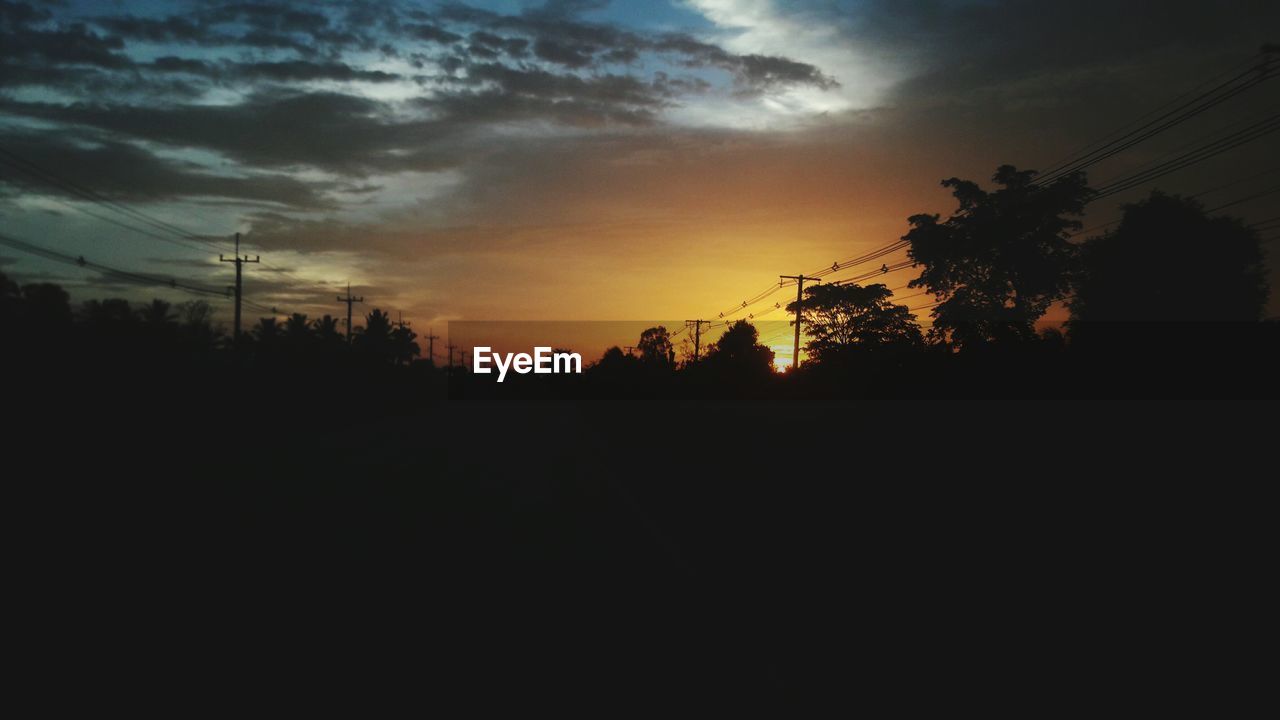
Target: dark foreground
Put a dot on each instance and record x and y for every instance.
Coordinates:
(211, 539)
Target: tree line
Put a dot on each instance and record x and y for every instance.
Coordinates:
(1168, 285)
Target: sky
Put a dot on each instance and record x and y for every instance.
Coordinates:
(575, 159)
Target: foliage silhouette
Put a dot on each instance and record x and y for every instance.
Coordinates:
(47, 307)
(328, 336)
(655, 348)
(404, 348)
(1001, 260)
(845, 318)
(375, 342)
(157, 314)
(738, 355)
(195, 318)
(1169, 261)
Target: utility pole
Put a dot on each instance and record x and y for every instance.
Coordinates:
(697, 336)
(450, 347)
(431, 345)
(349, 300)
(239, 261)
(629, 348)
(795, 346)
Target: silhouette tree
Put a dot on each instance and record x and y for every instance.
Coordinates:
(738, 354)
(296, 337)
(267, 332)
(403, 347)
(106, 313)
(10, 299)
(614, 357)
(195, 318)
(1002, 259)
(655, 347)
(158, 325)
(841, 318)
(157, 314)
(374, 340)
(297, 329)
(47, 306)
(327, 335)
(1169, 261)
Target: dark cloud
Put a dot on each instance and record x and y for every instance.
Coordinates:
(574, 56)
(332, 131)
(158, 30)
(125, 172)
(281, 71)
(117, 93)
(494, 44)
(960, 46)
(559, 9)
(259, 25)
(75, 44)
(558, 36)
(545, 64)
(430, 33)
(20, 14)
(355, 135)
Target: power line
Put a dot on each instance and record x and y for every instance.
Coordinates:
(1206, 101)
(1262, 194)
(884, 270)
(1253, 132)
(1076, 154)
(31, 169)
(129, 276)
(173, 233)
(862, 259)
(114, 221)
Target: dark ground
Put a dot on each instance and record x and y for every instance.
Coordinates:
(995, 555)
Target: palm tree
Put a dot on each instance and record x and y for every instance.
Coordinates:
(403, 347)
(267, 331)
(374, 339)
(297, 329)
(326, 333)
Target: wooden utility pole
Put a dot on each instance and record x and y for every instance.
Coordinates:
(450, 347)
(697, 336)
(431, 345)
(239, 261)
(349, 300)
(795, 346)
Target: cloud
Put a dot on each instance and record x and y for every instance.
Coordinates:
(279, 71)
(559, 37)
(331, 131)
(74, 44)
(125, 172)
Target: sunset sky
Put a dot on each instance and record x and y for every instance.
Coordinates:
(577, 160)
